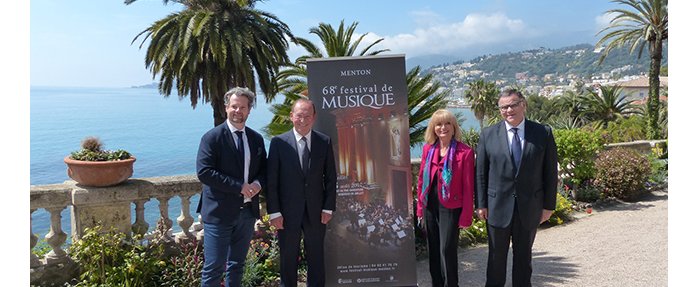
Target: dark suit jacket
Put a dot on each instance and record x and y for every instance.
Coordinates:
(499, 186)
(220, 169)
(288, 190)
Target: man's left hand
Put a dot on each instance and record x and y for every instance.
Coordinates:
(325, 217)
(546, 215)
(250, 190)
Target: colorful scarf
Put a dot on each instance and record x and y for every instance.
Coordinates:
(446, 173)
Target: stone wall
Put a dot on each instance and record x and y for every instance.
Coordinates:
(106, 206)
(643, 146)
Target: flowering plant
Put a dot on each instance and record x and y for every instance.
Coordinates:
(92, 151)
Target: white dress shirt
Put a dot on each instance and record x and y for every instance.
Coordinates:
(299, 144)
(521, 132)
(246, 147)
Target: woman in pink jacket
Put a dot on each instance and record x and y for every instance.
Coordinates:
(445, 194)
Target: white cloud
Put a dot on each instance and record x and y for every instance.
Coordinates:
(603, 20)
(434, 38)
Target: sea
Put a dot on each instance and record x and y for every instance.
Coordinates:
(163, 133)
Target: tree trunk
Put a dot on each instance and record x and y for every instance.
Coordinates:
(652, 127)
(218, 105)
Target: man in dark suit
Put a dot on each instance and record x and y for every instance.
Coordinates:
(301, 193)
(516, 182)
(231, 164)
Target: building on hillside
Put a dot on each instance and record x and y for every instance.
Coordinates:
(521, 76)
(551, 91)
(548, 77)
(638, 89)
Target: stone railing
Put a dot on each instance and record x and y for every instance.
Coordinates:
(642, 146)
(108, 206)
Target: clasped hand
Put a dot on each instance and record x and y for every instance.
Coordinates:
(250, 190)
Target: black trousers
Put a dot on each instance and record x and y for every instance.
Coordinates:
(313, 232)
(442, 241)
(522, 243)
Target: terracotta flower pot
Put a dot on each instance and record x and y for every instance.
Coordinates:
(99, 173)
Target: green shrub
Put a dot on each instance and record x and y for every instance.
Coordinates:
(262, 265)
(576, 150)
(92, 151)
(659, 169)
(184, 268)
(110, 258)
(470, 137)
(252, 274)
(107, 155)
(661, 150)
(476, 233)
(42, 248)
(621, 173)
(563, 208)
(587, 193)
(624, 130)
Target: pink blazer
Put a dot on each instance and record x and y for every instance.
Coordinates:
(462, 183)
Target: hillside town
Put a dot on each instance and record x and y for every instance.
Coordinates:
(624, 71)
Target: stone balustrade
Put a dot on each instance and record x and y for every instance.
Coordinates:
(107, 206)
(641, 146)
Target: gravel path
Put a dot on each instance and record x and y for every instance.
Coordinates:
(624, 244)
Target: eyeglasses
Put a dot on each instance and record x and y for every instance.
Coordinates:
(514, 105)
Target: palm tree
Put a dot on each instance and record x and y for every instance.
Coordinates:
(337, 43)
(213, 45)
(292, 81)
(646, 23)
(571, 104)
(564, 122)
(607, 104)
(422, 98)
(482, 97)
(540, 109)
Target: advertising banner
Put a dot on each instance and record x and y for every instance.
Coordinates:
(361, 104)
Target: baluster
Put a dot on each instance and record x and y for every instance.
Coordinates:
(140, 226)
(200, 234)
(33, 239)
(164, 215)
(56, 237)
(185, 220)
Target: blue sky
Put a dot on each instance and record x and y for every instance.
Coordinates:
(88, 43)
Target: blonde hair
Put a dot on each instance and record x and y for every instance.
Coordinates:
(441, 116)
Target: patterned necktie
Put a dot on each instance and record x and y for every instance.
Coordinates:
(305, 155)
(516, 147)
(241, 146)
